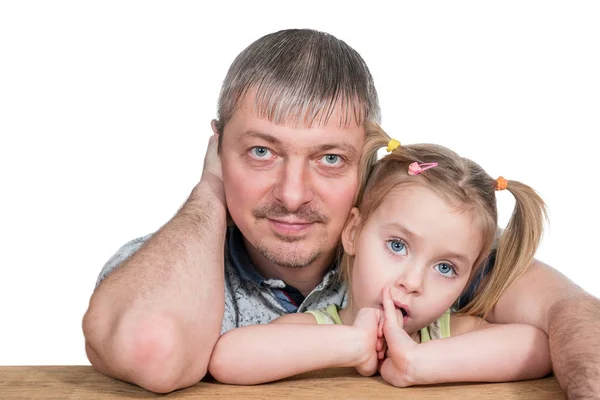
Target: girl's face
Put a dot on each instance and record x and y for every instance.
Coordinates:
(419, 246)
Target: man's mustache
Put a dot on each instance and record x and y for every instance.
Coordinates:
(305, 213)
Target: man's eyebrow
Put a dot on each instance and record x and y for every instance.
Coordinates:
(345, 147)
(259, 135)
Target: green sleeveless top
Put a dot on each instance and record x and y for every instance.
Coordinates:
(439, 329)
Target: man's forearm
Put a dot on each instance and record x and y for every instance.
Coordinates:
(545, 298)
(574, 330)
(154, 320)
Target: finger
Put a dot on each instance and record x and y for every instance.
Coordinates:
(389, 311)
(381, 353)
(395, 337)
(380, 364)
(380, 327)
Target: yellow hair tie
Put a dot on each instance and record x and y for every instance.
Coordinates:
(501, 183)
(393, 144)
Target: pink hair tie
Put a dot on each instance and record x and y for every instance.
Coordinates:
(416, 168)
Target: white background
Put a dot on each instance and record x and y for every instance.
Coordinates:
(105, 110)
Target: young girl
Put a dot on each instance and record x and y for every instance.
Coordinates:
(425, 223)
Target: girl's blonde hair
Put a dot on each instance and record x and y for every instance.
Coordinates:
(465, 185)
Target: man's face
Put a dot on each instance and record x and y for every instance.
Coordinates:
(289, 189)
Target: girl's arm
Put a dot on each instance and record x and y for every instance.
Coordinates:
(294, 344)
(476, 352)
(481, 352)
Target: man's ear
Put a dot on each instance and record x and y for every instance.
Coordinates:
(213, 125)
(350, 232)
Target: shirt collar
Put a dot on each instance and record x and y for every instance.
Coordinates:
(248, 272)
(239, 257)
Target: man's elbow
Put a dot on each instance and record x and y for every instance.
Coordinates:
(150, 354)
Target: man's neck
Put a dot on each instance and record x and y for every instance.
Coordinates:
(304, 279)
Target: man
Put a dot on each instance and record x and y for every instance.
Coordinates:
(289, 135)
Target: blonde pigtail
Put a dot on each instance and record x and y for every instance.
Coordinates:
(516, 246)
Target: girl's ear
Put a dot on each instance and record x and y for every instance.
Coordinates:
(350, 232)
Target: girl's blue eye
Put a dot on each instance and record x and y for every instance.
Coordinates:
(445, 269)
(260, 152)
(397, 246)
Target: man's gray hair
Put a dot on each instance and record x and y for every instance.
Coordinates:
(300, 77)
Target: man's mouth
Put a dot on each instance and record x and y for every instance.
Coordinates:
(290, 227)
(290, 222)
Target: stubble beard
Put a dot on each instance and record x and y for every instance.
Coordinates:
(287, 257)
(287, 251)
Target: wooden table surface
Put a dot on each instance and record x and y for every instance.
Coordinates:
(83, 383)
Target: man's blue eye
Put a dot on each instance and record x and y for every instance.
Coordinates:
(445, 269)
(260, 152)
(397, 246)
(331, 158)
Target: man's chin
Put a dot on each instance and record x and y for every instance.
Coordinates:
(292, 255)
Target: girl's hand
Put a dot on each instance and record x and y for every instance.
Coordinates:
(369, 321)
(397, 368)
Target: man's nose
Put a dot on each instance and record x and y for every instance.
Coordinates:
(295, 186)
(411, 279)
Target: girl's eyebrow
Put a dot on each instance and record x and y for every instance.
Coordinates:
(411, 236)
(461, 258)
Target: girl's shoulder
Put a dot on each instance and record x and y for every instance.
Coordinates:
(462, 323)
(297, 318)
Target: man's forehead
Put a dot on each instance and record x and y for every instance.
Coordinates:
(336, 113)
(248, 123)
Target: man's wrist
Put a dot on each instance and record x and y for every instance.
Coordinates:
(206, 205)
(209, 188)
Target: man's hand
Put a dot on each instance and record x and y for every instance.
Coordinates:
(397, 368)
(212, 160)
(369, 321)
(212, 173)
